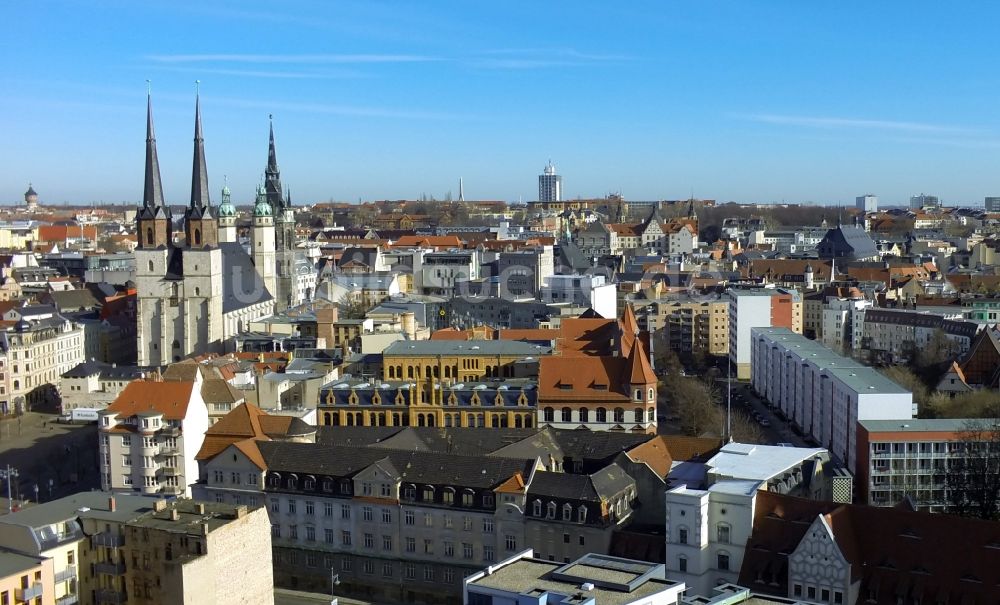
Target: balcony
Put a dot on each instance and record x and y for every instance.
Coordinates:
(28, 594)
(167, 471)
(109, 568)
(69, 573)
(168, 450)
(108, 539)
(170, 431)
(173, 490)
(110, 595)
(70, 599)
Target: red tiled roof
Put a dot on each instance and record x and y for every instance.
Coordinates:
(168, 398)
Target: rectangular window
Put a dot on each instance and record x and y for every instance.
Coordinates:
(369, 567)
(367, 513)
(291, 506)
(449, 549)
(467, 523)
(386, 515)
(428, 573)
(328, 509)
(467, 550)
(410, 571)
(723, 562)
(428, 520)
(387, 570)
(488, 555)
(386, 542)
(825, 596)
(369, 540)
(797, 590)
(409, 518)
(345, 538)
(447, 521)
(411, 545)
(345, 511)
(310, 508)
(310, 533)
(682, 564)
(510, 542)
(293, 532)
(275, 507)
(811, 591)
(328, 535)
(428, 546)
(487, 526)
(838, 597)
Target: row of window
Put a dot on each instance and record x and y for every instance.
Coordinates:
(409, 571)
(369, 541)
(601, 415)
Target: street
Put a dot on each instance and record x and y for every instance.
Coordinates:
(57, 458)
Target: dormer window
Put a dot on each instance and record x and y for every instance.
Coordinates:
(536, 508)
(550, 510)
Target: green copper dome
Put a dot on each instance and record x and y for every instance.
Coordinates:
(262, 208)
(226, 208)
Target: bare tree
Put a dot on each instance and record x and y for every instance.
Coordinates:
(972, 477)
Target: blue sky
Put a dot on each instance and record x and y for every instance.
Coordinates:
(746, 101)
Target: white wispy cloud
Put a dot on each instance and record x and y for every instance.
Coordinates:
(280, 74)
(339, 59)
(833, 123)
(539, 58)
(342, 110)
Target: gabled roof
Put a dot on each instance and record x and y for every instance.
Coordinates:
(168, 398)
(640, 372)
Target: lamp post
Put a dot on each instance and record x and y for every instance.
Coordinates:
(9, 474)
(36, 493)
(334, 582)
(51, 484)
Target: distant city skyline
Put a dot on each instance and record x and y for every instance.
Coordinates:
(781, 102)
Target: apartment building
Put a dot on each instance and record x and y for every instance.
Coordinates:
(36, 348)
(193, 552)
(600, 377)
(900, 459)
(149, 437)
(523, 272)
(54, 535)
(758, 307)
(25, 579)
(842, 325)
(690, 326)
(587, 291)
(93, 384)
(822, 393)
(407, 517)
(443, 273)
(897, 335)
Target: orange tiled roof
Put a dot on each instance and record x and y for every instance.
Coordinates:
(514, 485)
(428, 241)
(653, 453)
(168, 398)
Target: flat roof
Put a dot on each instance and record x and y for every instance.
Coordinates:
(88, 505)
(867, 381)
(917, 425)
(532, 575)
(466, 347)
(758, 462)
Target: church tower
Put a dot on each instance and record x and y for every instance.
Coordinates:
(154, 230)
(200, 228)
(284, 230)
(263, 240)
(200, 304)
(227, 218)
(153, 218)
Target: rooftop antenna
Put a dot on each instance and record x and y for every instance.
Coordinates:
(461, 190)
(149, 87)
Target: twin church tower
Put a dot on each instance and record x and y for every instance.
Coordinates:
(194, 296)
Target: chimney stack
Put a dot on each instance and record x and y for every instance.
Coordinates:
(112, 505)
(174, 515)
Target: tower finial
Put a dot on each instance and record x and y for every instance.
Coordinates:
(149, 87)
(199, 171)
(152, 192)
(197, 87)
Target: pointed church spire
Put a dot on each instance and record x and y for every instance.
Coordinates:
(272, 175)
(152, 193)
(199, 172)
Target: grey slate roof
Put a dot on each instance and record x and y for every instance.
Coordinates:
(414, 467)
(602, 485)
(847, 241)
(241, 285)
(468, 347)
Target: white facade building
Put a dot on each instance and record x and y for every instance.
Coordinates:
(549, 185)
(822, 393)
(592, 291)
(867, 203)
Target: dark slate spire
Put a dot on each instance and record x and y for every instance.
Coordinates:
(199, 173)
(152, 193)
(272, 176)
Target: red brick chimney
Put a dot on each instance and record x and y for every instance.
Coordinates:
(112, 505)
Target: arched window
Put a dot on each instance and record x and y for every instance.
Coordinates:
(619, 415)
(602, 415)
(567, 415)
(550, 510)
(638, 414)
(682, 564)
(409, 372)
(197, 237)
(638, 394)
(536, 508)
(652, 394)
(651, 414)
(548, 415)
(584, 415)
(149, 236)
(392, 371)
(176, 345)
(430, 419)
